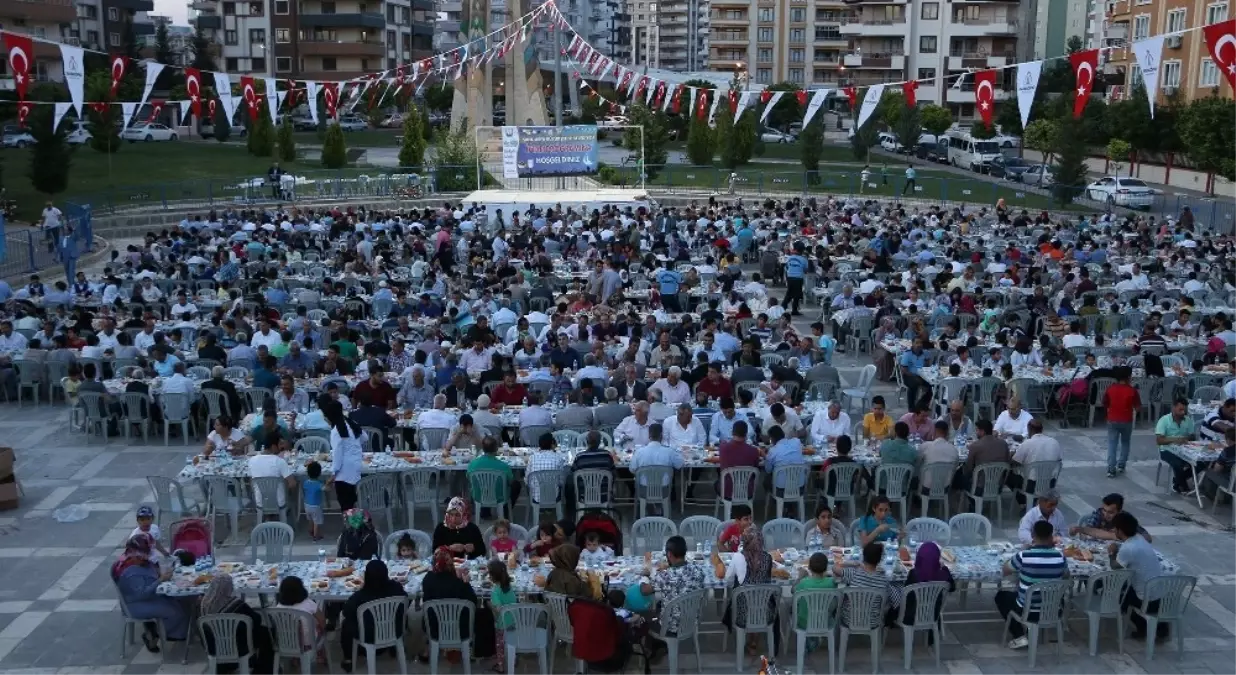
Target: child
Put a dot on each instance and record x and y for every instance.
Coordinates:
(502, 541)
(406, 548)
(732, 534)
(817, 568)
(500, 596)
(544, 542)
(313, 499)
(878, 524)
(146, 524)
(293, 595)
(635, 599)
(594, 552)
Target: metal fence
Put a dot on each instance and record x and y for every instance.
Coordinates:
(33, 249)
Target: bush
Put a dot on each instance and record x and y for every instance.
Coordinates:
(412, 149)
(286, 141)
(261, 140)
(334, 149)
(222, 125)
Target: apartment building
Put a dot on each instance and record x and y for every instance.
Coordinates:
(1053, 23)
(1185, 69)
(682, 31)
(316, 39)
(179, 41)
(48, 19)
(786, 40)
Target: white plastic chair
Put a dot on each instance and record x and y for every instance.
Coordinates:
(863, 614)
(546, 485)
(594, 489)
(759, 602)
(935, 481)
(653, 486)
(134, 627)
(782, 533)
(823, 608)
(387, 616)
(378, 493)
(223, 630)
(448, 614)
(1049, 607)
(1173, 593)
(1102, 600)
(699, 529)
(969, 529)
(420, 490)
(177, 410)
(564, 633)
(265, 497)
(487, 485)
(170, 497)
(927, 596)
(687, 607)
(843, 477)
(296, 637)
(743, 480)
(223, 496)
(929, 529)
(422, 541)
(794, 477)
(529, 635)
(987, 485)
(894, 481)
(650, 534)
(271, 543)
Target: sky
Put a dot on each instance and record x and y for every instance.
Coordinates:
(177, 9)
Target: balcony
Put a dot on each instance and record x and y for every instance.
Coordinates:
(966, 94)
(345, 20)
(872, 27)
(884, 61)
(202, 5)
(447, 26)
(424, 5)
(736, 39)
(720, 20)
(959, 60)
(1117, 31)
(133, 5)
(342, 48)
(423, 28)
(981, 27)
(43, 11)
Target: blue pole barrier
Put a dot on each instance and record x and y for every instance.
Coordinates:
(30, 250)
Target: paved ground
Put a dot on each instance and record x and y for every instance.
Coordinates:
(58, 610)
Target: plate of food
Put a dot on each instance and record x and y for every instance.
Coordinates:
(319, 585)
(230, 567)
(343, 572)
(353, 583)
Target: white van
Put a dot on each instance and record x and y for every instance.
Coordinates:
(968, 152)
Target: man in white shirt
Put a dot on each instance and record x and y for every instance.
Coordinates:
(183, 309)
(1074, 338)
(721, 428)
(265, 336)
(108, 338)
(145, 339)
(11, 341)
(1044, 510)
(828, 427)
(270, 465)
(1039, 447)
(634, 429)
(177, 383)
(786, 418)
(476, 359)
(684, 429)
(437, 417)
(672, 389)
(150, 292)
(591, 371)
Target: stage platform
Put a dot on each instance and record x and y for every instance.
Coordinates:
(510, 201)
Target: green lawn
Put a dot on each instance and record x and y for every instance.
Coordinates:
(370, 138)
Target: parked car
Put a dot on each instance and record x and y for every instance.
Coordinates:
(304, 123)
(774, 136)
(17, 138)
(1121, 191)
(611, 122)
(207, 130)
(148, 131)
(394, 120)
(1007, 141)
(80, 135)
(352, 123)
(889, 142)
(1009, 168)
(1038, 174)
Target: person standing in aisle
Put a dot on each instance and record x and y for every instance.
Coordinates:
(795, 269)
(911, 184)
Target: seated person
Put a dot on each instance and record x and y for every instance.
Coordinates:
(878, 524)
(867, 574)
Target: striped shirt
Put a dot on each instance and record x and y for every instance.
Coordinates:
(859, 577)
(1037, 564)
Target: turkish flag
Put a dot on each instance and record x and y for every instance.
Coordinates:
(733, 96)
(23, 111)
(659, 95)
(1084, 64)
(331, 92)
(156, 107)
(626, 80)
(701, 103)
(291, 94)
(248, 91)
(801, 96)
(211, 104)
(765, 96)
(1220, 40)
(98, 107)
(639, 88)
(910, 91)
(118, 65)
(985, 94)
(852, 94)
(21, 55)
(676, 105)
(193, 87)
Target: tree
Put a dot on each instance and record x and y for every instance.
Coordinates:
(202, 58)
(981, 131)
(1129, 120)
(163, 44)
(909, 128)
(747, 133)
(262, 137)
(1208, 132)
(811, 144)
(726, 139)
(891, 107)
(334, 149)
(865, 137)
(649, 146)
(1042, 135)
(1069, 172)
(1057, 75)
(700, 140)
(1095, 128)
(286, 141)
(454, 160)
(222, 125)
(1008, 117)
(936, 119)
(128, 41)
(50, 156)
(104, 127)
(412, 148)
(787, 111)
(440, 99)
(1117, 151)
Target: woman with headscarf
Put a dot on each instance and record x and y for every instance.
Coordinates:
(563, 578)
(137, 578)
(358, 541)
(221, 598)
(442, 582)
(884, 361)
(927, 567)
(754, 566)
(378, 585)
(458, 533)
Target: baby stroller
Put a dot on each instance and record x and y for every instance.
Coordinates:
(601, 640)
(604, 525)
(194, 535)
